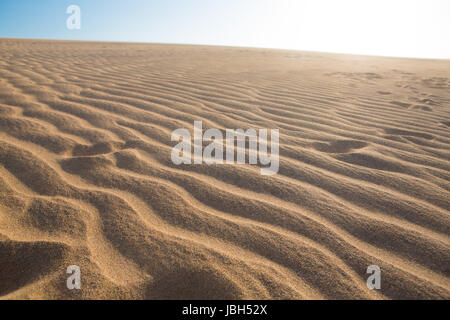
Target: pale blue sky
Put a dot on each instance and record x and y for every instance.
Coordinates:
(406, 28)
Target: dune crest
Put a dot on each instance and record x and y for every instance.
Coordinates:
(86, 176)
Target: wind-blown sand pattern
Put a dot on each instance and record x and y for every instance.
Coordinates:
(86, 177)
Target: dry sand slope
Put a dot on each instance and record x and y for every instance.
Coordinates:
(86, 177)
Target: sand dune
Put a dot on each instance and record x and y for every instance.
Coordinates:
(86, 176)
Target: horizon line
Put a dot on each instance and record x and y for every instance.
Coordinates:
(229, 46)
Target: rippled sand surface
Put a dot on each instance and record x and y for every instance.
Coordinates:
(86, 176)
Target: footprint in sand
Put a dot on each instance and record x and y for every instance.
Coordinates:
(339, 146)
(429, 102)
(401, 104)
(424, 108)
(436, 83)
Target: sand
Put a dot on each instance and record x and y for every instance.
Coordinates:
(86, 177)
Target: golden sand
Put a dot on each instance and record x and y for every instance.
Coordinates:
(86, 177)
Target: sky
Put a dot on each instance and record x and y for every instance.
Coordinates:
(402, 28)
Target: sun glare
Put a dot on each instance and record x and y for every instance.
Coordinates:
(393, 28)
